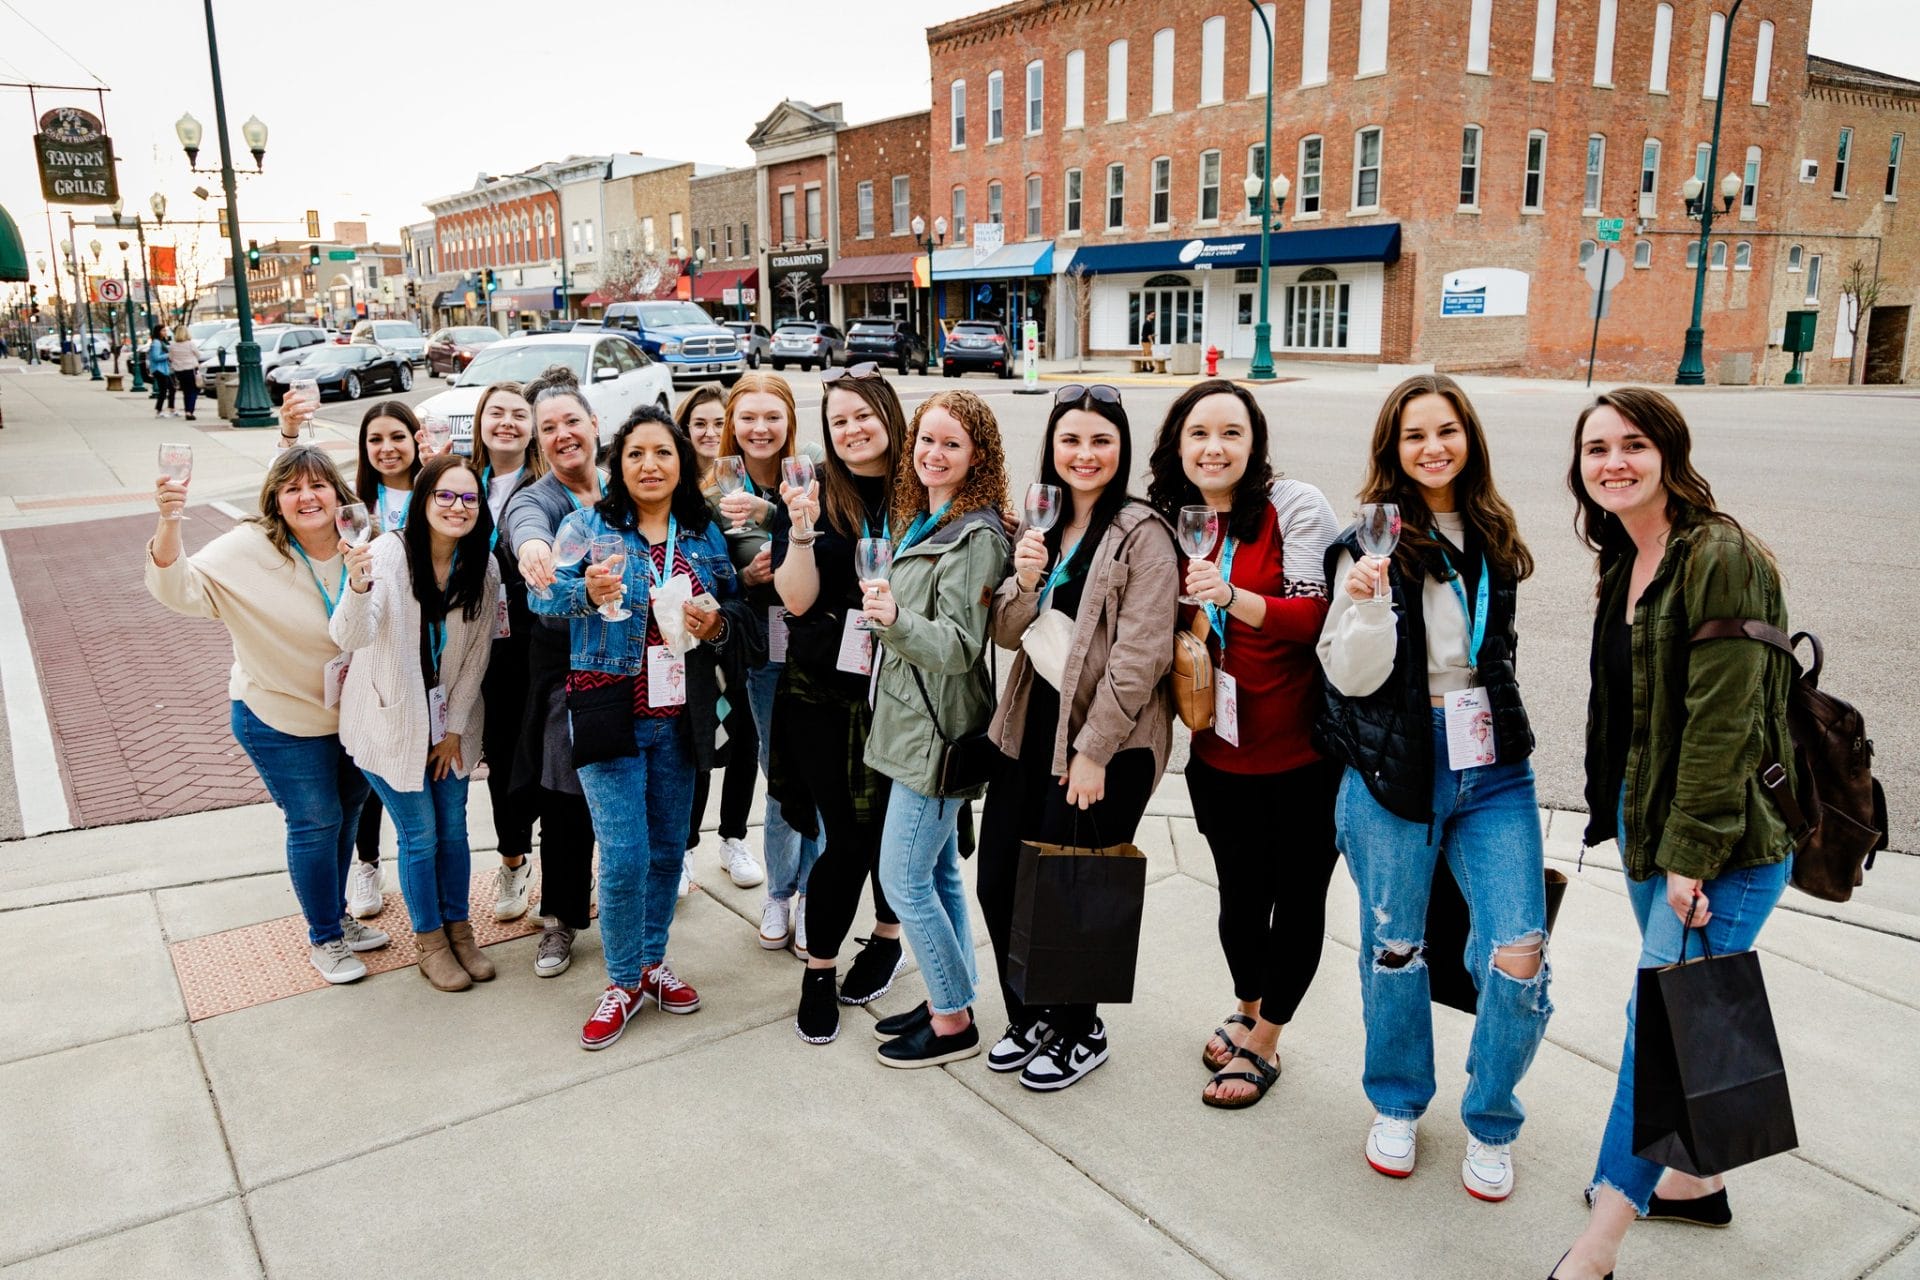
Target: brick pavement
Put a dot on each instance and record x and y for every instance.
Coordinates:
(136, 696)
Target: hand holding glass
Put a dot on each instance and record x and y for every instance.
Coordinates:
(797, 471)
(1198, 530)
(1378, 533)
(609, 551)
(437, 433)
(302, 402)
(872, 558)
(176, 464)
(730, 474)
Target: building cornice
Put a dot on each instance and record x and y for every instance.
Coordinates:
(1012, 18)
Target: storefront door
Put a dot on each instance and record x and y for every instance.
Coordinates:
(1244, 308)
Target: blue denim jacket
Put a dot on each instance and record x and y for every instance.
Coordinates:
(620, 648)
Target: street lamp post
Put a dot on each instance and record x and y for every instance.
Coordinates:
(1693, 364)
(83, 287)
(698, 259)
(928, 242)
(136, 357)
(566, 292)
(1263, 190)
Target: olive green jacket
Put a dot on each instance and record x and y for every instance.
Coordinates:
(1704, 716)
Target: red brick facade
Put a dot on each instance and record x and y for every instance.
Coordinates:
(878, 153)
(493, 237)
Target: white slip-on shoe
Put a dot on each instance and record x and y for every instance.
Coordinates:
(1487, 1172)
(1390, 1145)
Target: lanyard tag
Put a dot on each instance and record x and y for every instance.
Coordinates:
(776, 634)
(666, 677)
(1226, 707)
(333, 680)
(436, 715)
(856, 646)
(1469, 729)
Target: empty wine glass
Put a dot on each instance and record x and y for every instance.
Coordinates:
(1043, 506)
(1198, 530)
(797, 471)
(304, 396)
(730, 473)
(571, 541)
(1378, 534)
(437, 433)
(176, 464)
(609, 551)
(872, 557)
(354, 523)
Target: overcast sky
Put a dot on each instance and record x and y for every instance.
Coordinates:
(374, 107)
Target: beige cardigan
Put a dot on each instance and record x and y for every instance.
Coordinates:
(383, 709)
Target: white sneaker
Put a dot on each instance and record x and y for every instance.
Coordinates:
(515, 884)
(360, 937)
(686, 880)
(775, 928)
(1390, 1145)
(800, 925)
(738, 860)
(363, 890)
(336, 962)
(1487, 1172)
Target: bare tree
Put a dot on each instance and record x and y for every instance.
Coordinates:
(1082, 305)
(797, 288)
(1861, 290)
(632, 276)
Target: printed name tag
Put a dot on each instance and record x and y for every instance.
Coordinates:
(776, 634)
(1226, 708)
(436, 715)
(856, 646)
(333, 679)
(666, 677)
(1469, 729)
(502, 626)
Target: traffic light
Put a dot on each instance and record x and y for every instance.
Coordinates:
(253, 255)
(313, 255)
(491, 282)
(411, 294)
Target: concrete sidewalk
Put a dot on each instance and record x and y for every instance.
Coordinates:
(470, 1136)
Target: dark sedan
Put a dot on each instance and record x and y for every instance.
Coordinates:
(453, 349)
(889, 341)
(978, 345)
(348, 372)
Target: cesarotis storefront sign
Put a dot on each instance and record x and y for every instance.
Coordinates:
(796, 285)
(76, 158)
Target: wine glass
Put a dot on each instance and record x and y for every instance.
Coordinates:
(356, 529)
(176, 464)
(1043, 506)
(730, 473)
(437, 433)
(609, 551)
(797, 471)
(1378, 534)
(872, 557)
(1199, 528)
(571, 541)
(304, 393)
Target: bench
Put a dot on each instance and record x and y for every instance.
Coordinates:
(1146, 364)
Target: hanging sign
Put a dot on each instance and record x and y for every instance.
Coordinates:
(76, 158)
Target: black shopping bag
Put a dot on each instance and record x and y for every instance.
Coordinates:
(1448, 980)
(1709, 1086)
(1076, 923)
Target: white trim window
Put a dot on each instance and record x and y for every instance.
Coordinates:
(1718, 260)
(1116, 81)
(1315, 23)
(1374, 23)
(1716, 54)
(1649, 176)
(1643, 253)
(1209, 186)
(1470, 138)
(1895, 145)
(1842, 153)
(1543, 31)
(957, 113)
(1479, 37)
(1260, 52)
(996, 107)
(1312, 156)
(1315, 318)
(1603, 43)
(789, 220)
(1743, 256)
(1366, 169)
(1116, 196)
(1693, 255)
(1033, 206)
(996, 203)
(1533, 189)
(1070, 203)
(1213, 61)
(863, 211)
(1813, 278)
(1257, 170)
(1662, 48)
(1076, 89)
(1036, 95)
(1162, 71)
(1160, 210)
(1762, 63)
(1750, 186)
(1795, 256)
(902, 206)
(1596, 173)
(816, 228)
(958, 217)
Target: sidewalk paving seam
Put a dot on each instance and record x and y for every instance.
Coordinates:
(219, 1120)
(1891, 1255)
(126, 1227)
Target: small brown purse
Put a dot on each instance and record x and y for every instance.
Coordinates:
(1192, 676)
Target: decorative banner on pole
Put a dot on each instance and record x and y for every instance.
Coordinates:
(313, 224)
(163, 269)
(76, 158)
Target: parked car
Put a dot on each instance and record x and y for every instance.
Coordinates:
(810, 344)
(583, 326)
(402, 336)
(278, 343)
(346, 371)
(887, 340)
(680, 335)
(616, 376)
(756, 344)
(48, 344)
(978, 346)
(452, 349)
(201, 330)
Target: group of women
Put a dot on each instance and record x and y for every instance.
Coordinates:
(721, 598)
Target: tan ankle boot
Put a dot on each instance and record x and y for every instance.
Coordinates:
(437, 964)
(460, 938)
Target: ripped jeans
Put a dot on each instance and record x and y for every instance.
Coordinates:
(1486, 823)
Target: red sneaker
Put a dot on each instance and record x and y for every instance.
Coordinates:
(617, 1005)
(667, 991)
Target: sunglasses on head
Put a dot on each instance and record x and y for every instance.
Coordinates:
(1075, 393)
(865, 369)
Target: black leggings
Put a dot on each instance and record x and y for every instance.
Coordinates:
(162, 391)
(851, 856)
(566, 857)
(1273, 847)
(737, 779)
(368, 841)
(1025, 802)
(504, 689)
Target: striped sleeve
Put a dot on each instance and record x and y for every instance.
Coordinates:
(1307, 528)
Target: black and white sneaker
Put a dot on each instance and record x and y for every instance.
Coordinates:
(1066, 1059)
(818, 1020)
(1018, 1045)
(872, 972)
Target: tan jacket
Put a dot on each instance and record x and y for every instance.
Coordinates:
(1122, 648)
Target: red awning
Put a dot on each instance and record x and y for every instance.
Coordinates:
(598, 298)
(873, 268)
(712, 285)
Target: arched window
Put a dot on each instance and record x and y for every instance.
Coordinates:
(1743, 256)
(1693, 255)
(1318, 275)
(1718, 260)
(1169, 281)
(1643, 253)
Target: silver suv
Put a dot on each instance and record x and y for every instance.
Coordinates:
(279, 344)
(402, 336)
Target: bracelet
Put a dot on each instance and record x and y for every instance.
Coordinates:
(794, 540)
(1233, 593)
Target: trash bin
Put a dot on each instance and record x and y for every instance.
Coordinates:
(227, 388)
(70, 362)
(1184, 358)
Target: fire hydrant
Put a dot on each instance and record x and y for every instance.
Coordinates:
(1213, 362)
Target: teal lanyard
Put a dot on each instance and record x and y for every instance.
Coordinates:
(1059, 574)
(380, 500)
(1217, 614)
(923, 524)
(331, 601)
(659, 576)
(1477, 617)
(886, 527)
(486, 478)
(437, 637)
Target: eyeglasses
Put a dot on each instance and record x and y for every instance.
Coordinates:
(1074, 393)
(447, 497)
(865, 369)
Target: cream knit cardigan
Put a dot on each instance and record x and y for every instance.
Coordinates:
(383, 709)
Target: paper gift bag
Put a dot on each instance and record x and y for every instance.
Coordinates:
(1076, 923)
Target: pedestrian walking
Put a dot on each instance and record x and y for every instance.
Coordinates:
(1262, 591)
(183, 357)
(1674, 734)
(1148, 331)
(1424, 710)
(160, 371)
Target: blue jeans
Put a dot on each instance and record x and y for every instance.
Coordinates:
(790, 856)
(319, 791)
(641, 805)
(920, 874)
(1486, 823)
(1740, 902)
(436, 868)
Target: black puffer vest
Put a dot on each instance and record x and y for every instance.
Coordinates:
(1387, 736)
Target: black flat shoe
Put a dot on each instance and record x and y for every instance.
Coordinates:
(1563, 1257)
(1703, 1211)
(925, 1047)
(900, 1024)
(1262, 1076)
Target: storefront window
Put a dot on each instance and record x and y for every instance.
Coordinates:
(1316, 315)
(1178, 307)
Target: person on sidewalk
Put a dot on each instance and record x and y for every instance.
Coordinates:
(1263, 592)
(1424, 709)
(160, 371)
(1082, 747)
(1699, 838)
(932, 687)
(273, 582)
(659, 633)
(1147, 334)
(822, 702)
(183, 357)
(417, 622)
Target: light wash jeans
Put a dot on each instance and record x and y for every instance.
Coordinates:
(790, 856)
(641, 805)
(436, 863)
(1740, 902)
(920, 874)
(1486, 823)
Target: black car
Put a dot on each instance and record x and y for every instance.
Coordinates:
(978, 345)
(349, 372)
(889, 341)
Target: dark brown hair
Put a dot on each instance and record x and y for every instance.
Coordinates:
(366, 478)
(839, 499)
(1168, 487)
(467, 584)
(985, 486)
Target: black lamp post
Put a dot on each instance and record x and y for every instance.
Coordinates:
(1693, 364)
(929, 243)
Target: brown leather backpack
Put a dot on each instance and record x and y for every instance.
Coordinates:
(1192, 676)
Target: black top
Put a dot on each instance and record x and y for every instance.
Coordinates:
(1465, 561)
(1616, 666)
(814, 637)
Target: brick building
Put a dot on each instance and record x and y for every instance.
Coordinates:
(797, 228)
(882, 185)
(723, 205)
(650, 231)
(538, 231)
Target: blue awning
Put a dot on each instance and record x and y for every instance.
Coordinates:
(1028, 258)
(1318, 246)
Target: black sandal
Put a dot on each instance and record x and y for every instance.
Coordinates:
(1233, 1020)
(1268, 1073)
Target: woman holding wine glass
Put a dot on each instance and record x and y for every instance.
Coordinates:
(273, 581)
(1419, 652)
(1256, 546)
(418, 619)
(1084, 724)
(821, 701)
(648, 652)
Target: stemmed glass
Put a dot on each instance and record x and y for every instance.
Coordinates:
(730, 473)
(176, 464)
(797, 471)
(1378, 534)
(304, 394)
(1043, 509)
(354, 524)
(1198, 530)
(872, 558)
(609, 552)
(571, 542)
(437, 433)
